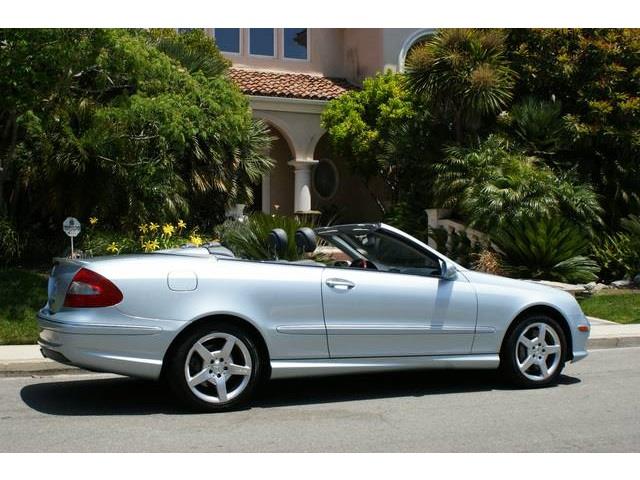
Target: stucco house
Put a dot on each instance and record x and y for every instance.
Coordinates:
(289, 75)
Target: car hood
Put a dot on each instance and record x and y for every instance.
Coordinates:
(495, 280)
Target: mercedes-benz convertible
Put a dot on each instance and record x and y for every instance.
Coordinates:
(214, 326)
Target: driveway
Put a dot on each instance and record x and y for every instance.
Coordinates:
(593, 409)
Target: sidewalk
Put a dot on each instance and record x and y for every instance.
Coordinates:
(27, 360)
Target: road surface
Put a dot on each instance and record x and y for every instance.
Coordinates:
(595, 408)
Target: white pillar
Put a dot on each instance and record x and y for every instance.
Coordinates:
(266, 193)
(302, 184)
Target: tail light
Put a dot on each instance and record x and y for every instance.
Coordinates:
(89, 289)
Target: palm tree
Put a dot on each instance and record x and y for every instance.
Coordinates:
(464, 75)
(493, 182)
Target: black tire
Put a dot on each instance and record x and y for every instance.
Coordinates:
(511, 351)
(176, 377)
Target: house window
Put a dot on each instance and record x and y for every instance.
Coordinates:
(262, 42)
(227, 39)
(325, 179)
(295, 43)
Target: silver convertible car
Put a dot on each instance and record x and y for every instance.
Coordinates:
(214, 326)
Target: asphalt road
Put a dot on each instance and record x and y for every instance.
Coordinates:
(594, 409)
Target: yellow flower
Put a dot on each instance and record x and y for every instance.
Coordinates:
(168, 229)
(153, 227)
(143, 228)
(112, 248)
(151, 245)
(93, 220)
(196, 240)
(181, 224)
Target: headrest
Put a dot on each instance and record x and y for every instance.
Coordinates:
(277, 241)
(305, 240)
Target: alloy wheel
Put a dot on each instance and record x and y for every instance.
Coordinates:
(218, 367)
(538, 351)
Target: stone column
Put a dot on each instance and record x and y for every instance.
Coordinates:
(302, 184)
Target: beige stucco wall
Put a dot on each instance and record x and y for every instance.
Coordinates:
(362, 53)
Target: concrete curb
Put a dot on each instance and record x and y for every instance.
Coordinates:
(600, 343)
(43, 366)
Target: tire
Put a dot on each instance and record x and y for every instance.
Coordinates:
(234, 368)
(530, 363)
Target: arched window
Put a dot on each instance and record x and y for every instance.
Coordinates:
(417, 38)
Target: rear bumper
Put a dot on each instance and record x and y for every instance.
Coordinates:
(106, 340)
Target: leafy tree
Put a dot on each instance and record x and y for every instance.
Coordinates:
(464, 74)
(545, 247)
(121, 124)
(595, 75)
(495, 182)
(362, 123)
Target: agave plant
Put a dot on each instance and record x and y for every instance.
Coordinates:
(546, 248)
(248, 239)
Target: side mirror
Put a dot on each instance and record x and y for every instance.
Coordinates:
(448, 270)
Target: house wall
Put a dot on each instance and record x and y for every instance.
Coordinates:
(325, 54)
(362, 53)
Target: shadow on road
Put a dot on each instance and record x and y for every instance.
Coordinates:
(128, 396)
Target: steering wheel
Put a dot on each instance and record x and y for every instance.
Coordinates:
(364, 264)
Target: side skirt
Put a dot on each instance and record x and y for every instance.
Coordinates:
(345, 366)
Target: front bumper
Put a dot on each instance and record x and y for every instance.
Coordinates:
(106, 340)
(580, 337)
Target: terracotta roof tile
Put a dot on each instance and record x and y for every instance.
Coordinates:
(291, 85)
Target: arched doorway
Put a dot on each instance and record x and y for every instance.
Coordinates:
(340, 195)
(277, 189)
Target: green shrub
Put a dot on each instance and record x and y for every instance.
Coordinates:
(619, 254)
(545, 248)
(10, 246)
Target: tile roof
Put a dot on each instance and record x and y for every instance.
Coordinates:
(291, 85)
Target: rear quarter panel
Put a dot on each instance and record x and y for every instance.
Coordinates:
(268, 295)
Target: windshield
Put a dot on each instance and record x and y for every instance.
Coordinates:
(383, 250)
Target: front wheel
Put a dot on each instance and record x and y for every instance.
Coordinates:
(535, 352)
(215, 368)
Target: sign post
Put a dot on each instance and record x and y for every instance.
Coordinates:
(71, 227)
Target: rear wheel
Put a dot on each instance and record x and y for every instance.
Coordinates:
(216, 367)
(535, 352)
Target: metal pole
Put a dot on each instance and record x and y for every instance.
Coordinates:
(71, 246)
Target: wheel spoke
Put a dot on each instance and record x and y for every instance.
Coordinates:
(527, 342)
(239, 370)
(221, 387)
(228, 346)
(551, 349)
(542, 333)
(527, 363)
(205, 354)
(543, 368)
(199, 378)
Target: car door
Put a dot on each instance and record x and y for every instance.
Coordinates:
(372, 313)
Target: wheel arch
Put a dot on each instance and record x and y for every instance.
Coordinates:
(250, 328)
(542, 309)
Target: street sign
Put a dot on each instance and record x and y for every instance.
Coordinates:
(71, 227)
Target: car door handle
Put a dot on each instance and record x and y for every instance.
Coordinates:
(339, 284)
